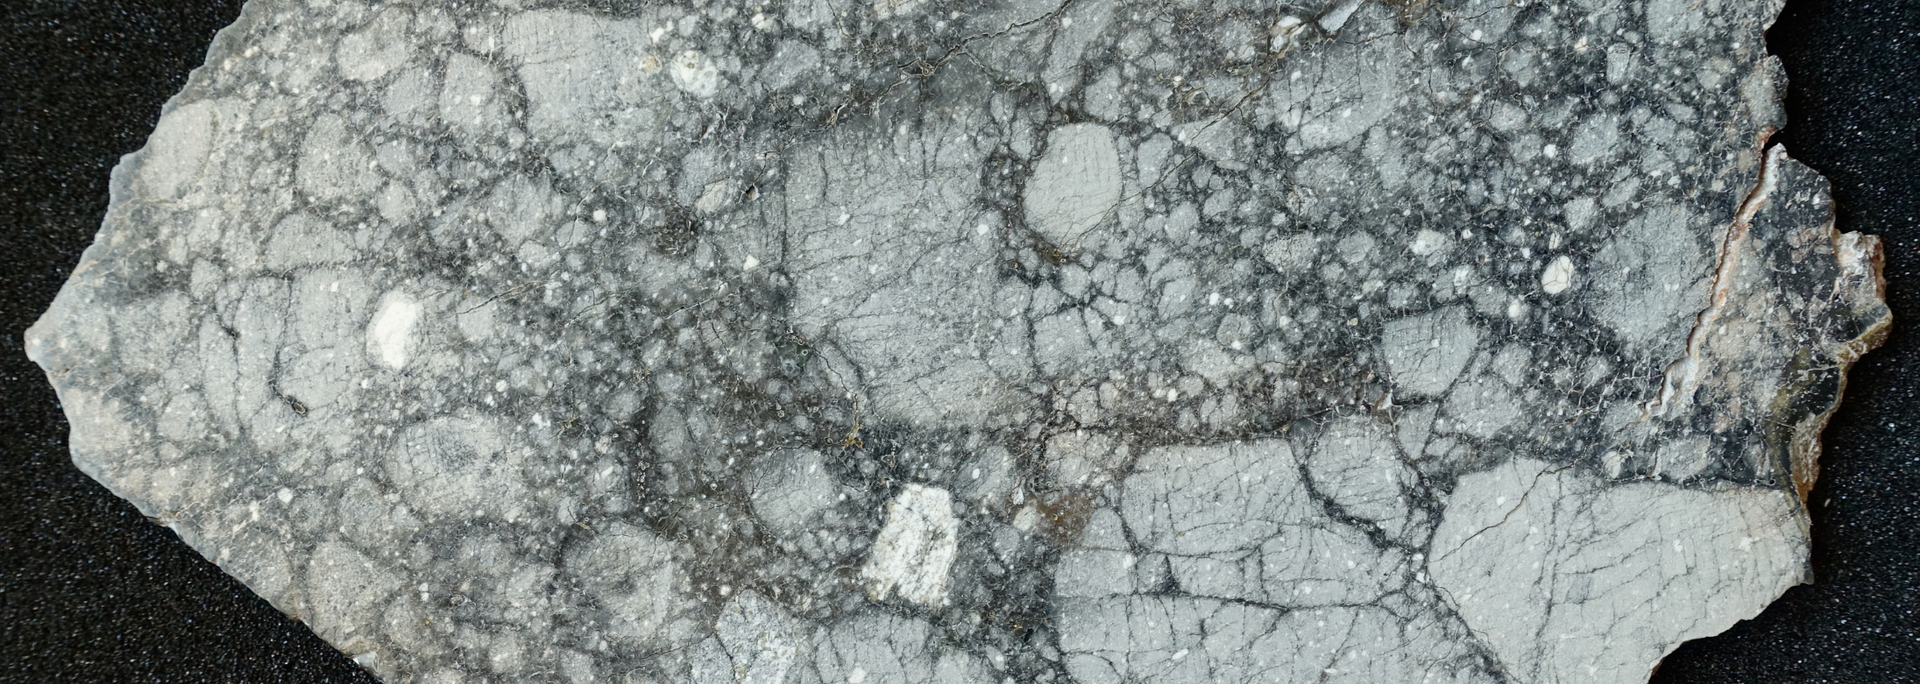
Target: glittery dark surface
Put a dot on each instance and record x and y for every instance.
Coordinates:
(90, 591)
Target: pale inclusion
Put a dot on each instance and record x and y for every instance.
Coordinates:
(1557, 276)
(915, 548)
(392, 326)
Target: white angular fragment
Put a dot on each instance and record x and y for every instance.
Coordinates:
(391, 331)
(1558, 276)
(1338, 16)
(915, 548)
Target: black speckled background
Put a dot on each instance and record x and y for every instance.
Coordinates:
(90, 591)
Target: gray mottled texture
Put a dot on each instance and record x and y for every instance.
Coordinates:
(902, 341)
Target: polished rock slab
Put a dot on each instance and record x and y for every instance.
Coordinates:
(899, 342)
